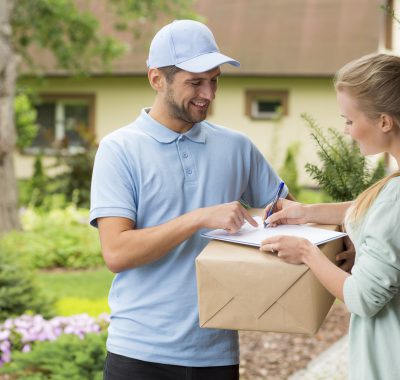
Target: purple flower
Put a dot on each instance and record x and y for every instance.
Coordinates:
(26, 348)
(30, 329)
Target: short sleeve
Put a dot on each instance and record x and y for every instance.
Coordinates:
(113, 191)
(376, 274)
(263, 181)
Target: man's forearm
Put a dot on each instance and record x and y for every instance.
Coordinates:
(131, 248)
(125, 247)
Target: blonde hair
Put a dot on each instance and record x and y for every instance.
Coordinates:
(366, 198)
(374, 82)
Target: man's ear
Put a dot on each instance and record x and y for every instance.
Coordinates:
(156, 79)
(386, 123)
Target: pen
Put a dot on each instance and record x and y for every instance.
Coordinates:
(277, 195)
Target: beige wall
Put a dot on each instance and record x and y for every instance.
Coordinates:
(118, 101)
(396, 28)
(313, 96)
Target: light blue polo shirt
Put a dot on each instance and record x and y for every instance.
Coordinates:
(150, 174)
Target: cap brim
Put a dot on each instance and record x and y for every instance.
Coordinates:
(206, 62)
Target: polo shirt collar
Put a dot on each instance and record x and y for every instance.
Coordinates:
(165, 135)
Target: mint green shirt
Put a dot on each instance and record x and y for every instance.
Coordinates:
(372, 292)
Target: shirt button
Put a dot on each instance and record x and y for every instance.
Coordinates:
(185, 155)
(189, 171)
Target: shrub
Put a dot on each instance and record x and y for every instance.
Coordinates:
(59, 238)
(74, 182)
(23, 333)
(19, 291)
(25, 119)
(289, 172)
(38, 183)
(344, 173)
(69, 357)
(24, 192)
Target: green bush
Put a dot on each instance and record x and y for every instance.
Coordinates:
(74, 182)
(59, 238)
(69, 357)
(19, 292)
(38, 183)
(24, 192)
(70, 186)
(25, 119)
(344, 172)
(288, 172)
(41, 191)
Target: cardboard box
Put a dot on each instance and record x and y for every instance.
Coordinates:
(241, 288)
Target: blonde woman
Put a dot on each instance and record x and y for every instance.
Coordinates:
(368, 94)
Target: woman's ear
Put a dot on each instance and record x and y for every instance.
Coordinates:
(156, 79)
(386, 123)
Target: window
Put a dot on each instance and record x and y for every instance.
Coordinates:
(265, 104)
(65, 122)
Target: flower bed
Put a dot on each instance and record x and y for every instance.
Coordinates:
(22, 332)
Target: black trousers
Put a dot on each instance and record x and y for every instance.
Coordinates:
(119, 367)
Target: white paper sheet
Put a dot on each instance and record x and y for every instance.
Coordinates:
(250, 235)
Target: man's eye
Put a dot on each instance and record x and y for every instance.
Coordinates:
(348, 122)
(195, 83)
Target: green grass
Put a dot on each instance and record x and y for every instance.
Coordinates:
(78, 292)
(312, 196)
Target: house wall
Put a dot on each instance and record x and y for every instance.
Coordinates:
(396, 28)
(118, 100)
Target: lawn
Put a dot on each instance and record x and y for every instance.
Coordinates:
(78, 292)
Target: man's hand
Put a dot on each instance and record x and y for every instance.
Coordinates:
(228, 216)
(346, 257)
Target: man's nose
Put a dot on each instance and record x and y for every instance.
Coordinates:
(208, 92)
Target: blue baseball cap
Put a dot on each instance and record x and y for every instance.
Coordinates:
(186, 44)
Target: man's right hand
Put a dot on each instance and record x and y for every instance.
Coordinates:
(227, 216)
(286, 212)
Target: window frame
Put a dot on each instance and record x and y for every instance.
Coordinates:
(57, 98)
(256, 95)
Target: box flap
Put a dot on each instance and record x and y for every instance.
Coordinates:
(251, 267)
(219, 296)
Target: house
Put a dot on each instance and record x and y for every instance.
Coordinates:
(288, 49)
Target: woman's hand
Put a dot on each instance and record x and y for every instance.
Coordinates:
(286, 212)
(346, 258)
(291, 249)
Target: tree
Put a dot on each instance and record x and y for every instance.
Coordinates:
(73, 37)
(8, 73)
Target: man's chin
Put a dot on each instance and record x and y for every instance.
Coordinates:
(199, 116)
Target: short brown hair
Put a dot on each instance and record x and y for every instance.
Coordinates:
(169, 72)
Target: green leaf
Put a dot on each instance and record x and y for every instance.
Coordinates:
(343, 173)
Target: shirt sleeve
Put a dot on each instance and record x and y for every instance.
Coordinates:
(376, 274)
(263, 181)
(112, 190)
